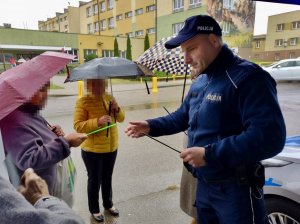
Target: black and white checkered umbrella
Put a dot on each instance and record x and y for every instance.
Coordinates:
(159, 58)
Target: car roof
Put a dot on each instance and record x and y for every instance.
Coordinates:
(290, 59)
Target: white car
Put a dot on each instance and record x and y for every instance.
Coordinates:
(287, 69)
(282, 185)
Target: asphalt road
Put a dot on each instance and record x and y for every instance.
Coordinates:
(147, 175)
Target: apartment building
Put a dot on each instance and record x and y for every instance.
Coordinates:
(281, 40)
(107, 17)
(66, 22)
(134, 18)
(259, 45)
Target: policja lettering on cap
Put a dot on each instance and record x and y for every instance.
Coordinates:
(200, 24)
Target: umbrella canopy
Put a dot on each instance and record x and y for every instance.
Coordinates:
(159, 58)
(21, 60)
(103, 68)
(19, 84)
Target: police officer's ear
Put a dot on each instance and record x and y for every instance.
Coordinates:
(214, 40)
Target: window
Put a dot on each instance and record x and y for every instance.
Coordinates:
(110, 4)
(89, 11)
(103, 24)
(107, 53)
(66, 27)
(257, 44)
(102, 6)
(295, 25)
(280, 27)
(89, 28)
(293, 41)
(226, 27)
(119, 17)
(139, 33)
(277, 57)
(150, 8)
(128, 14)
(95, 7)
(89, 51)
(176, 28)
(195, 3)
(111, 22)
(96, 27)
(65, 18)
(297, 63)
(123, 54)
(139, 11)
(228, 4)
(278, 42)
(285, 64)
(151, 30)
(177, 5)
(130, 34)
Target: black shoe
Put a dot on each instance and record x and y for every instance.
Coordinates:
(98, 218)
(113, 211)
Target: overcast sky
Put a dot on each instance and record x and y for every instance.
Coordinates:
(25, 14)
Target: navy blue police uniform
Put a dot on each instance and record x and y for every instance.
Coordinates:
(232, 110)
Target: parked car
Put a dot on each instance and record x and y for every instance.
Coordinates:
(282, 186)
(287, 69)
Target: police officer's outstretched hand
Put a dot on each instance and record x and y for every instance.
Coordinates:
(137, 129)
(194, 156)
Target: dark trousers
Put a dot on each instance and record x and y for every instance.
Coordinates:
(99, 168)
(229, 203)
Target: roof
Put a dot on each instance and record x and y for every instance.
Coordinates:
(29, 47)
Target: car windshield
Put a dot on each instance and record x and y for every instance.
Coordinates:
(266, 66)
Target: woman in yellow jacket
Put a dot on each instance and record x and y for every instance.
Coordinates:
(99, 151)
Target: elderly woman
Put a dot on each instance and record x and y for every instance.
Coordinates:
(30, 142)
(99, 151)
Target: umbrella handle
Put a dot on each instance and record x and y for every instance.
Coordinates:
(147, 87)
(184, 85)
(109, 111)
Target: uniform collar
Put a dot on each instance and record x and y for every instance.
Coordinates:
(223, 61)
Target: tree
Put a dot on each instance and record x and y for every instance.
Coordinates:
(146, 42)
(116, 48)
(90, 57)
(128, 50)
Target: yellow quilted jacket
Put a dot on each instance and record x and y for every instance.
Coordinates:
(87, 111)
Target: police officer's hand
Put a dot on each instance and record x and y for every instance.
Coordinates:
(75, 139)
(137, 129)
(32, 186)
(194, 156)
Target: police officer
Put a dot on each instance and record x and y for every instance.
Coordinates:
(234, 121)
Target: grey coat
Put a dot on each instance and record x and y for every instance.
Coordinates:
(14, 209)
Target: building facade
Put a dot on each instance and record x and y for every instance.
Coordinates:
(281, 40)
(29, 43)
(66, 22)
(107, 17)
